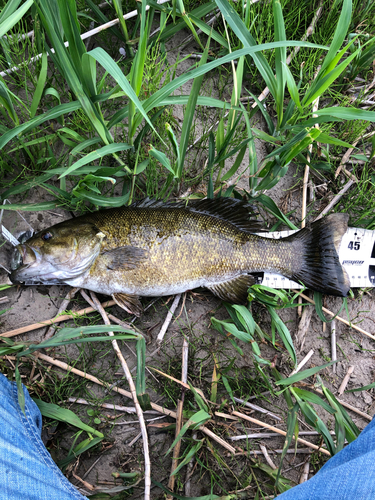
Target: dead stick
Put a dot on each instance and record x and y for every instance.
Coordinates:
(291, 450)
(303, 362)
(345, 381)
(263, 449)
(345, 158)
(57, 319)
(279, 431)
(266, 435)
(339, 318)
(257, 408)
(333, 344)
(168, 319)
(336, 199)
(305, 473)
(133, 391)
(64, 304)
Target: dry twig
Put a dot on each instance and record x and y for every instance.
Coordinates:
(336, 199)
(345, 381)
(263, 449)
(333, 344)
(303, 362)
(168, 319)
(305, 473)
(64, 304)
(303, 327)
(257, 408)
(138, 408)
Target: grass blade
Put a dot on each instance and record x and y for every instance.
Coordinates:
(55, 412)
(14, 17)
(304, 374)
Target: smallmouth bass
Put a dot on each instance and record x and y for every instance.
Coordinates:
(152, 248)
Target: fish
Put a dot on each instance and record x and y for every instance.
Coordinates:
(153, 248)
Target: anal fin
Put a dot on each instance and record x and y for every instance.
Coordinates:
(130, 303)
(234, 290)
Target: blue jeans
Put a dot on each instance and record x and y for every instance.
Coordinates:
(27, 471)
(349, 475)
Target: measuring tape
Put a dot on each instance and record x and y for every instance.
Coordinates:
(356, 254)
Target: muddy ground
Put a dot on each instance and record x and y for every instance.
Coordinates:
(121, 451)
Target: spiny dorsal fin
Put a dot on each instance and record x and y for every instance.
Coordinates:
(127, 257)
(236, 212)
(234, 290)
(130, 303)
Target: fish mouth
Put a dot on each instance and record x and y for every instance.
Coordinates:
(27, 268)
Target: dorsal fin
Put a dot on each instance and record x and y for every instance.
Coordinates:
(236, 212)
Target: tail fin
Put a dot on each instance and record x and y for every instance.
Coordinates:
(320, 268)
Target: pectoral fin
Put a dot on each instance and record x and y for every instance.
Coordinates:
(234, 290)
(127, 257)
(130, 303)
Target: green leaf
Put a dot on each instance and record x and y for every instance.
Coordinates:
(6, 101)
(270, 205)
(102, 201)
(304, 374)
(64, 415)
(13, 18)
(32, 207)
(280, 60)
(38, 120)
(189, 115)
(39, 87)
(191, 453)
(292, 430)
(20, 393)
(340, 34)
(283, 332)
(162, 158)
(327, 139)
(95, 155)
(313, 419)
(113, 69)
(347, 113)
(83, 446)
(232, 329)
(245, 318)
(194, 422)
(364, 388)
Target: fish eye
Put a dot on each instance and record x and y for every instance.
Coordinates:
(46, 236)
